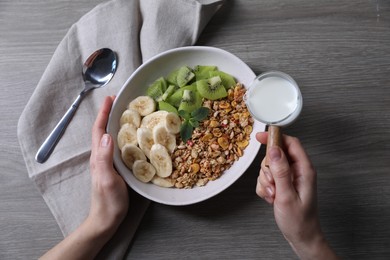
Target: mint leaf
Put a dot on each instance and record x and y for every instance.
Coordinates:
(184, 114)
(191, 121)
(186, 130)
(194, 123)
(200, 113)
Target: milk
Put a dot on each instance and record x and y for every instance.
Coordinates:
(274, 99)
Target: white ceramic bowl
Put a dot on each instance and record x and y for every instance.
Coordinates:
(136, 85)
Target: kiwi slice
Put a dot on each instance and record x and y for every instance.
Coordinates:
(227, 79)
(157, 89)
(190, 101)
(170, 90)
(172, 77)
(176, 97)
(211, 88)
(162, 105)
(202, 71)
(184, 76)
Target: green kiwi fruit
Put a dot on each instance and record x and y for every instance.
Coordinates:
(210, 83)
(184, 76)
(227, 79)
(190, 101)
(170, 90)
(163, 82)
(211, 88)
(162, 105)
(202, 71)
(175, 98)
(157, 89)
(172, 77)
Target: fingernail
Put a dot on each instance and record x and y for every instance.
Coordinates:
(105, 140)
(274, 154)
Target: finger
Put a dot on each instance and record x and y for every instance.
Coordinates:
(267, 184)
(262, 137)
(99, 127)
(259, 188)
(305, 174)
(264, 189)
(265, 169)
(264, 181)
(297, 154)
(294, 151)
(280, 170)
(104, 154)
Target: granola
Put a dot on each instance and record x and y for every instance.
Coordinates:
(216, 144)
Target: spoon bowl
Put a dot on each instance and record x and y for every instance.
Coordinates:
(98, 70)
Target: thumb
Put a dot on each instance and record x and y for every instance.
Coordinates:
(104, 155)
(280, 170)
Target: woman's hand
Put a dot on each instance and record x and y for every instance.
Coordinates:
(289, 184)
(109, 199)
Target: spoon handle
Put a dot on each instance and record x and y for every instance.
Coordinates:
(51, 141)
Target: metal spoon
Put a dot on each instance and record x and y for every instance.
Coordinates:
(98, 70)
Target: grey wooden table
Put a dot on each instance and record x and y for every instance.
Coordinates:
(339, 53)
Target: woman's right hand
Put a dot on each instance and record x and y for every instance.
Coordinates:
(289, 184)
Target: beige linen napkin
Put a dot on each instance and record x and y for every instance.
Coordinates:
(136, 30)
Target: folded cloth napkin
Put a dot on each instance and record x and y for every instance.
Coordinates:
(136, 30)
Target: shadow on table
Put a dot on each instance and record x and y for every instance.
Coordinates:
(353, 183)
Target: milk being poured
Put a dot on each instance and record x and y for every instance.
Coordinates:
(273, 99)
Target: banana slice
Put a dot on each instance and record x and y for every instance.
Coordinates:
(145, 140)
(143, 171)
(160, 159)
(127, 135)
(131, 153)
(153, 119)
(130, 116)
(144, 105)
(163, 137)
(172, 123)
(163, 182)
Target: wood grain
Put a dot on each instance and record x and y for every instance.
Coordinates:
(338, 51)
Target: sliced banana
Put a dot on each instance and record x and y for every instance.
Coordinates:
(172, 123)
(131, 153)
(145, 140)
(143, 171)
(163, 137)
(163, 182)
(144, 105)
(130, 116)
(127, 135)
(161, 160)
(153, 119)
